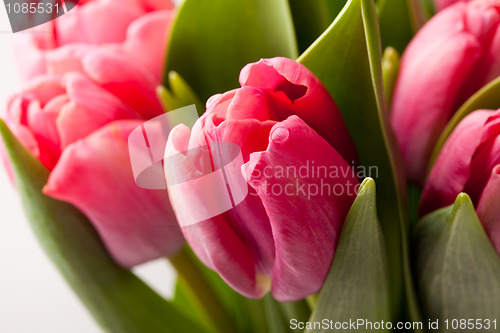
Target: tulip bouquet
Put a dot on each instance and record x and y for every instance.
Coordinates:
(337, 187)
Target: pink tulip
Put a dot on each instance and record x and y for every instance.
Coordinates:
(440, 4)
(79, 130)
(452, 56)
(282, 235)
(132, 28)
(91, 78)
(470, 162)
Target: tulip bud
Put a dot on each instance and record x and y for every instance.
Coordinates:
(248, 184)
(469, 162)
(451, 57)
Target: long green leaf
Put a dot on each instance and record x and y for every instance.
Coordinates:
(458, 270)
(212, 40)
(357, 286)
(486, 98)
(347, 59)
(119, 301)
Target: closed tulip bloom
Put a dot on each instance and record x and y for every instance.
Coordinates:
(451, 57)
(79, 131)
(470, 162)
(282, 236)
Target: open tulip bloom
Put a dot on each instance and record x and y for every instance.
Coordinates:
(335, 188)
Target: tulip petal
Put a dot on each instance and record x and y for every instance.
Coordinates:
(488, 208)
(486, 157)
(68, 58)
(441, 4)
(128, 81)
(249, 134)
(482, 19)
(95, 175)
(44, 87)
(158, 4)
(90, 24)
(491, 57)
(147, 40)
(90, 107)
(419, 114)
(451, 171)
(216, 241)
(250, 216)
(305, 239)
(42, 122)
(296, 91)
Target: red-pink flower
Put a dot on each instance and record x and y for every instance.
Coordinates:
(452, 56)
(92, 79)
(470, 162)
(283, 234)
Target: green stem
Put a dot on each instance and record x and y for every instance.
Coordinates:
(257, 312)
(298, 310)
(274, 316)
(192, 279)
(312, 301)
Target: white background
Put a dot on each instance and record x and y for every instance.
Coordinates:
(33, 297)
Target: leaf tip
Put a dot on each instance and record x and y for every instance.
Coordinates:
(462, 200)
(367, 186)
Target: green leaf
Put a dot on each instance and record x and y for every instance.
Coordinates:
(212, 40)
(311, 18)
(399, 21)
(457, 267)
(357, 286)
(179, 95)
(119, 301)
(347, 59)
(487, 97)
